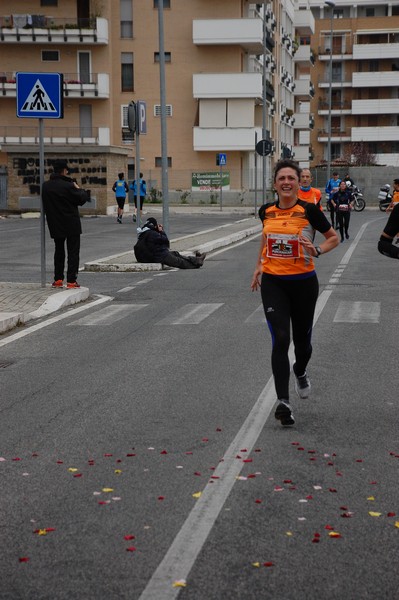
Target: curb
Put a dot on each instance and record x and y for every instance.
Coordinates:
(104, 266)
(9, 320)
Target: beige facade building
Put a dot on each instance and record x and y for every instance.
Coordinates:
(364, 80)
(108, 53)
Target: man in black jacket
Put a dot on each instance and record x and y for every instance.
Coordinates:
(61, 197)
(153, 247)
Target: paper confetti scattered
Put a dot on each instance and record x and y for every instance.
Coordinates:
(334, 534)
(107, 490)
(256, 564)
(179, 583)
(24, 559)
(374, 514)
(197, 495)
(72, 470)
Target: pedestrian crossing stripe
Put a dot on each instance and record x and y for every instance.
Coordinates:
(38, 100)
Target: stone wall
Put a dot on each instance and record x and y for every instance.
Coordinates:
(92, 170)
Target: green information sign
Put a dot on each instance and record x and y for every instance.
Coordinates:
(210, 180)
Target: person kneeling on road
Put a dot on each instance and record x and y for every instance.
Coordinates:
(153, 247)
(385, 245)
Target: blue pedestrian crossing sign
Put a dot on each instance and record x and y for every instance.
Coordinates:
(40, 95)
(221, 159)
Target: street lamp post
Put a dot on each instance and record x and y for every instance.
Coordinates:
(332, 6)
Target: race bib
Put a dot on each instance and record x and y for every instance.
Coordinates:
(280, 245)
(343, 207)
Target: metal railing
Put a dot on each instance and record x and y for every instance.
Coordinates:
(15, 134)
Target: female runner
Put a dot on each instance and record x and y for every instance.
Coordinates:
(286, 276)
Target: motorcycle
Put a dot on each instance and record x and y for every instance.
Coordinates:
(384, 197)
(359, 202)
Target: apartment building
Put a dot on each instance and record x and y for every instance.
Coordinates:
(364, 50)
(108, 54)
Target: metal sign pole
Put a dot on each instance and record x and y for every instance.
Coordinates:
(221, 186)
(137, 170)
(42, 218)
(256, 174)
(164, 142)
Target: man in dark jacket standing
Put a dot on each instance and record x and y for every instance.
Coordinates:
(153, 246)
(61, 197)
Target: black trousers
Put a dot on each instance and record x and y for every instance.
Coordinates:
(287, 302)
(73, 249)
(332, 212)
(141, 201)
(177, 260)
(343, 218)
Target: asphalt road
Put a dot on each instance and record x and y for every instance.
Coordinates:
(139, 453)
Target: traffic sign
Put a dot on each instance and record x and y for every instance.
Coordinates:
(40, 95)
(221, 159)
(264, 147)
(142, 116)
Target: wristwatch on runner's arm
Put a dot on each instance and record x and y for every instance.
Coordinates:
(319, 251)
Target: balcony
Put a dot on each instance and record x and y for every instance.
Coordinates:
(375, 134)
(49, 30)
(29, 136)
(338, 81)
(387, 106)
(341, 107)
(304, 22)
(227, 85)
(304, 89)
(96, 87)
(375, 79)
(247, 33)
(301, 153)
(375, 51)
(233, 139)
(337, 135)
(304, 55)
(303, 121)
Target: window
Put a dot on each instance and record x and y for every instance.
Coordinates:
(370, 12)
(168, 57)
(166, 3)
(126, 15)
(335, 151)
(157, 110)
(48, 2)
(158, 161)
(50, 55)
(127, 79)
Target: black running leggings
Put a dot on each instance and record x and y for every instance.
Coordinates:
(284, 302)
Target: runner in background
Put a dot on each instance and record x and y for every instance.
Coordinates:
(120, 188)
(306, 191)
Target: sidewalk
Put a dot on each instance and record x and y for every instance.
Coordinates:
(22, 302)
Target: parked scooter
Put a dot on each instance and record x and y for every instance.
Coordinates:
(359, 202)
(384, 197)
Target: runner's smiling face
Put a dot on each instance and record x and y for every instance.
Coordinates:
(286, 184)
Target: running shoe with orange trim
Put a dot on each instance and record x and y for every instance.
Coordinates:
(58, 283)
(72, 285)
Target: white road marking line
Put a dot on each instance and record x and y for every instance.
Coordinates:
(126, 289)
(358, 312)
(190, 314)
(183, 552)
(108, 315)
(258, 316)
(67, 315)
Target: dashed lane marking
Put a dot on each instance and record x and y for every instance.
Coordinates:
(108, 315)
(358, 312)
(190, 314)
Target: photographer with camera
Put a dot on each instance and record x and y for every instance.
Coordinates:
(61, 198)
